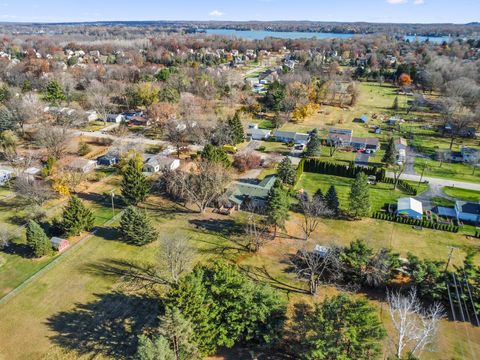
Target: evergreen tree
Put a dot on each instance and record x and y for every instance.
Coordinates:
(277, 206)
(54, 93)
(215, 154)
(395, 105)
(225, 307)
(136, 228)
(332, 201)
(286, 171)
(179, 332)
(37, 240)
(236, 127)
(390, 155)
(341, 327)
(76, 218)
(134, 184)
(319, 195)
(7, 120)
(154, 349)
(360, 196)
(314, 145)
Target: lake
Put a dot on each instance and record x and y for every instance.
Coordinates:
(262, 34)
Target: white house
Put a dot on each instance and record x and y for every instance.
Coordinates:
(82, 165)
(258, 134)
(91, 115)
(5, 176)
(116, 118)
(158, 163)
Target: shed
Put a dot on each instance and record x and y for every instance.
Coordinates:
(409, 207)
(59, 244)
(364, 119)
(321, 251)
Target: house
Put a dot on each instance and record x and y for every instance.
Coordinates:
(401, 156)
(409, 207)
(258, 134)
(361, 143)
(465, 155)
(341, 137)
(5, 176)
(115, 118)
(81, 165)
(291, 137)
(400, 144)
(31, 172)
(129, 115)
(139, 121)
(467, 211)
(59, 244)
(158, 163)
(241, 193)
(252, 81)
(91, 115)
(108, 160)
(392, 121)
(467, 132)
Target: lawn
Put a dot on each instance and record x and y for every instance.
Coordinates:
(462, 194)
(380, 194)
(94, 126)
(444, 170)
(75, 304)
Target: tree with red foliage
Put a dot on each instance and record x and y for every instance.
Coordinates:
(244, 162)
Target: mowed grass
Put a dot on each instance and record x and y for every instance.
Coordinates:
(380, 194)
(462, 194)
(75, 305)
(444, 170)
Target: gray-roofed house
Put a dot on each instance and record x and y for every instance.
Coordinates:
(239, 192)
(467, 211)
(81, 165)
(108, 159)
(258, 134)
(158, 163)
(291, 137)
(341, 137)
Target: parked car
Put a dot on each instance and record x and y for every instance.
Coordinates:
(299, 147)
(372, 179)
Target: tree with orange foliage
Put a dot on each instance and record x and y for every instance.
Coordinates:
(404, 80)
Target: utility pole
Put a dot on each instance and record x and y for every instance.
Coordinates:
(423, 171)
(113, 203)
(449, 256)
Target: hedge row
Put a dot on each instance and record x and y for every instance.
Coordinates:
(405, 186)
(350, 171)
(416, 222)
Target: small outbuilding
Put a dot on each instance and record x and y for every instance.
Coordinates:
(364, 119)
(409, 207)
(59, 244)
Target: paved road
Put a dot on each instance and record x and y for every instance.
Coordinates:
(440, 182)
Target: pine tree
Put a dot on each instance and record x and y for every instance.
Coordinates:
(395, 105)
(154, 349)
(277, 206)
(286, 171)
(314, 145)
(390, 153)
(215, 154)
(332, 201)
(319, 195)
(236, 127)
(359, 196)
(179, 332)
(136, 228)
(76, 218)
(54, 92)
(134, 184)
(37, 240)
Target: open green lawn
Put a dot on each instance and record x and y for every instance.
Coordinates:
(444, 170)
(380, 194)
(72, 305)
(462, 194)
(94, 126)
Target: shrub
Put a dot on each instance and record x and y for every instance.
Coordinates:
(246, 162)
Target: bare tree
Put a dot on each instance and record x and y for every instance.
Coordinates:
(54, 140)
(99, 99)
(256, 229)
(313, 209)
(33, 192)
(398, 169)
(202, 185)
(5, 237)
(415, 326)
(175, 257)
(315, 267)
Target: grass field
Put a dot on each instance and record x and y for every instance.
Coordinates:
(450, 171)
(462, 194)
(380, 194)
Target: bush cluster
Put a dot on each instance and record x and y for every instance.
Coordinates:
(416, 222)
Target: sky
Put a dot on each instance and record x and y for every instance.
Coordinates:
(410, 11)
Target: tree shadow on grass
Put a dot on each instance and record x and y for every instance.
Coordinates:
(225, 227)
(108, 326)
(262, 274)
(107, 233)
